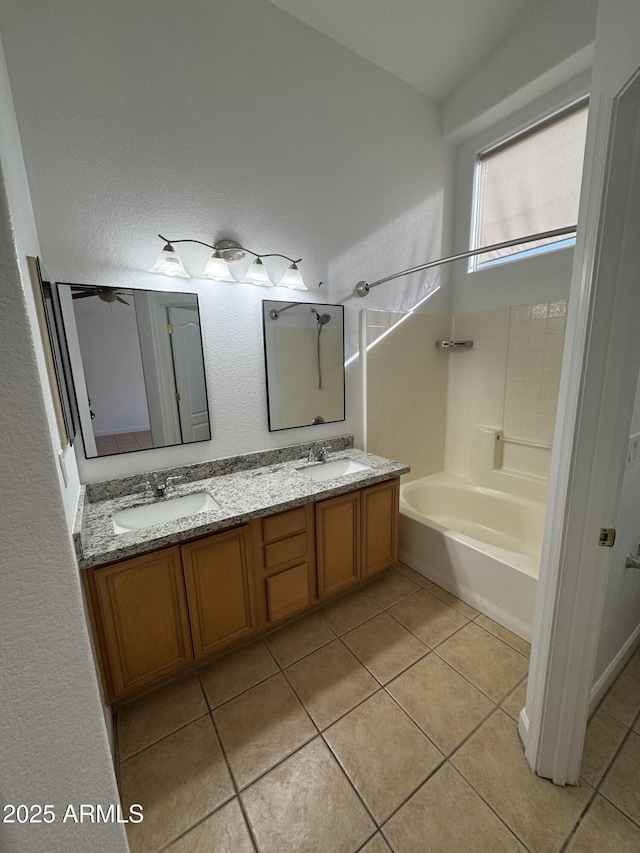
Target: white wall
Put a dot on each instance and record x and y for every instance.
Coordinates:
(223, 120)
(553, 45)
(54, 744)
(27, 243)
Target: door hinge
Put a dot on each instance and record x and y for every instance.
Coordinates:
(177, 398)
(607, 537)
(169, 328)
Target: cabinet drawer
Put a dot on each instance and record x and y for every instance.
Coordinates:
(284, 524)
(280, 553)
(287, 592)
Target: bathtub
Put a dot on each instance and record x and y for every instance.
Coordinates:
(479, 544)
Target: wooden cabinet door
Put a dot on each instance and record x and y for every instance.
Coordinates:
(380, 510)
(216, 571)
(338, 543)
(142, 608)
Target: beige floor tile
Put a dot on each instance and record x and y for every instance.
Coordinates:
(376, 845)
(236, 672)
(621, 785)
(446, 815)
(503, 634)
(157, 714)
(623, 699)
(178, 781)
(540, 813)
(453, 601)
(428, 617)
(307, 805)
(384, 646)
(347, 612)
(261, 727)
(413, 575)
(383, 752)
(298, 639)
(605, 830)
(330, 682)
(390, 588)
(224, 832)
(486, 661)
(604, 736)
(515, 702)
(441, 702)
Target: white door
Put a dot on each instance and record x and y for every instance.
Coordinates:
(595, 414)
(191, 391)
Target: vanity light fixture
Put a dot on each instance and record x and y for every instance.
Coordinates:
(226, 253)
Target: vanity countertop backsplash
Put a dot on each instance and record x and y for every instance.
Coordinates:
(244, 487)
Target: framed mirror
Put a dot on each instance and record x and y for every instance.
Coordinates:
(49, 321)
(304, 363)
(137, 367)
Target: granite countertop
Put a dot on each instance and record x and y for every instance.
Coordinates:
(242, 495)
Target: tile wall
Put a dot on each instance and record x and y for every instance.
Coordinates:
(407, 389)
(424, 404)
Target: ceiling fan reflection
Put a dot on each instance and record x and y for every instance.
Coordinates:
(106, 294)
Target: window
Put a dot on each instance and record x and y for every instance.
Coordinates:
(529, 184)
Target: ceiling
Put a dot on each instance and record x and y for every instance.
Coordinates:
(430, 44)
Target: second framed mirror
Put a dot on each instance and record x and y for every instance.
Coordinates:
(304, 362)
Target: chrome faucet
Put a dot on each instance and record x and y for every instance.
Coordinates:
(155, 487)
(318, 455)
(323, 454)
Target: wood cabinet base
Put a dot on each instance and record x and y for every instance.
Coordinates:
(161, 613)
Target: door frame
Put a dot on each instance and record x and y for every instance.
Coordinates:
(600, 370)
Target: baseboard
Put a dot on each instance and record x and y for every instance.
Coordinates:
(613, 670)
(523, 727)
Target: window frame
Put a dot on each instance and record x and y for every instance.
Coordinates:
(528, 130)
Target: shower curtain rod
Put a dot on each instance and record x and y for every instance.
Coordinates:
(363, 287)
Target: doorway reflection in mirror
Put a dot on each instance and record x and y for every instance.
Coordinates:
(138, 368)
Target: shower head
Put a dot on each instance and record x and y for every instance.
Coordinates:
(322, 319)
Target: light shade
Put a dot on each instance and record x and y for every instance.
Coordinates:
(257, 274)
(169, 263)
(217, 269)
(293, 279)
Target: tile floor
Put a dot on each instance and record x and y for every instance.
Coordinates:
(384, 721)
(123, 442)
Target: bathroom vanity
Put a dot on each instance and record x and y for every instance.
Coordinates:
(170, 596)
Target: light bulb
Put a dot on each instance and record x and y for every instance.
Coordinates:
(293, 279)
(257, 274)
(169, 263)
(217, 269)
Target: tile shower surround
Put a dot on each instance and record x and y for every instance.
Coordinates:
(384, 721)
(509, 380)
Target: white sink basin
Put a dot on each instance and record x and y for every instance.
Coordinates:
(335, 468)
(147, 515)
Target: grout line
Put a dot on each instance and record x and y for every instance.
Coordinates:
(164, 737)
(502, 820)
(200, 821)
(351, 784)
(236, 787)
(248, 824)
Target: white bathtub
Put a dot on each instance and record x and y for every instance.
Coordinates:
(480, 544)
